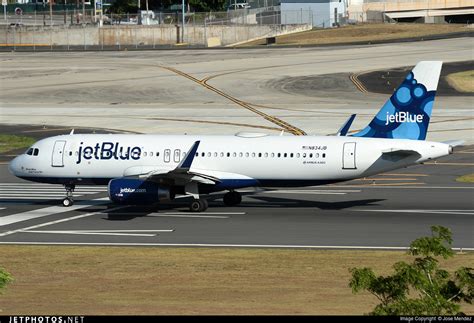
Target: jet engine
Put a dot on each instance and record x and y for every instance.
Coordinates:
(131, 191)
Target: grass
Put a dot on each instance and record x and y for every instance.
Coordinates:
(124, 280)
(469, 178)
(13, 142)
(364, 33)
(462, 81)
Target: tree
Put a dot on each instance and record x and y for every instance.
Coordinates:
(419, 288)
(5, 278)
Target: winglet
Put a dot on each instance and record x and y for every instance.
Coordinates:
(345, 127)
(188, 160)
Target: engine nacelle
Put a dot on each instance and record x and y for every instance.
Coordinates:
(131, 191)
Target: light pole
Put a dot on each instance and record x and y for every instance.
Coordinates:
(182, 29)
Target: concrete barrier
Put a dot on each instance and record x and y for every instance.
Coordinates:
(131, 35)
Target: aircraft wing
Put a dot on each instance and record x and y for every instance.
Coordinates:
(180, 175)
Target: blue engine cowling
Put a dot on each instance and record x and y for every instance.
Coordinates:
(131, 191)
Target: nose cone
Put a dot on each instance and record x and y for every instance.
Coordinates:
(14, 166)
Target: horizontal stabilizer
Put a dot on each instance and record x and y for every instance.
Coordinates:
(454, 143)
(400, 153)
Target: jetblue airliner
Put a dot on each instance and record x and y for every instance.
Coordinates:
(149, 169)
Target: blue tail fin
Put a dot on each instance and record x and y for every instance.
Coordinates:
(406, 115)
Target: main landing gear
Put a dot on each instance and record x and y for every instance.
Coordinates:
(199, 205)
(69, 199)
(232, 198)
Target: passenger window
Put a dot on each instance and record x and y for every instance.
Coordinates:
(253, 154)
(297, 155)
(222, 154)
(228, 154)
(151, 154)
(310, 155)
(324, 155)
(284, 155)
(273, 155)
(240, 154)
(279, 155)
(234, 154)
(203, 154)
(247, 154)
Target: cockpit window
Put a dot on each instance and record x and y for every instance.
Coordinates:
(32, 151)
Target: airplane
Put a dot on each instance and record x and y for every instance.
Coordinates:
(148, 169)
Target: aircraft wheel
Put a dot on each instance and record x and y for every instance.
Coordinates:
(232, 198)
(198, 205)
(68, 202)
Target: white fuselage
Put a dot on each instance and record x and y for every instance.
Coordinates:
(244, 159)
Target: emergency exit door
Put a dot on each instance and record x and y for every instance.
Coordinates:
(349, 156)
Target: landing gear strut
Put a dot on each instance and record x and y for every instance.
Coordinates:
(69, 199)
(199, 205)
(232, 198)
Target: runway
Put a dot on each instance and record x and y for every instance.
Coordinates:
(386, 211)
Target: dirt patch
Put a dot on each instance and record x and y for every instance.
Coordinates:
(366, 33)
(462, 81)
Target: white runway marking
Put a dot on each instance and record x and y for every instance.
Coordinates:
(404, 187)
(217, 245)
(202, 215)
(58, 221)
(14, 191)
(130, 233)
(463, 212)
(304, 192)
(38, 213)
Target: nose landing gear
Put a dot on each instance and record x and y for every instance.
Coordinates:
(69, 199)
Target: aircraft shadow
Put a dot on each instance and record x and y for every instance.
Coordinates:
(127, 213)
(278, 202)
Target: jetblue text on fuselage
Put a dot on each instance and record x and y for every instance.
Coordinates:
(402, 116)
(108, 150)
